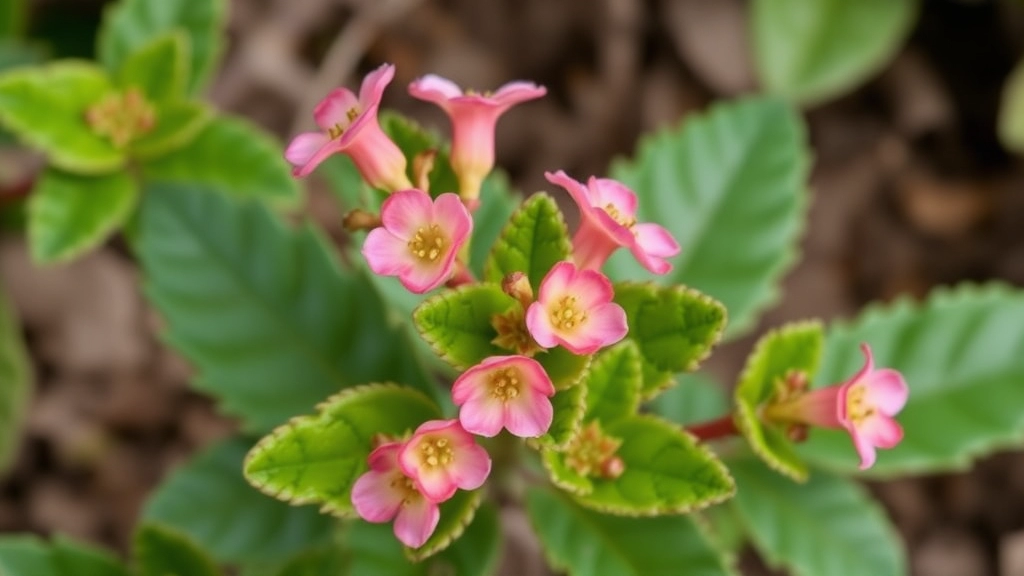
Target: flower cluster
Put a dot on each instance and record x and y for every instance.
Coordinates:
(422, 238)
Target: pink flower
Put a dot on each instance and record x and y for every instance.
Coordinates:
(575, 309)
(441, 456)
(384, 492)
(864, 406)
(419, 239)
(505, 391)
(608, 221)
(473, 117)
(349, 125)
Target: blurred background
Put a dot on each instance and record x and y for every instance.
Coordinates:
(910, 189)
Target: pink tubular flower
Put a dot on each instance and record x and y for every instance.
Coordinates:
(608, 221)
(441, 456)
(419, 239)
(473, 117)
(349, 125)
(505, 391)
(574, 308)
(864, 406)
(384, 492)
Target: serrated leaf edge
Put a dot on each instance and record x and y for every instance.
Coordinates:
(446, 295)
(536, 197)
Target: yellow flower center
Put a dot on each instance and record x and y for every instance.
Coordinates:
(857, 410)
(337, 130)
(566, 314)
(618, 216)
(122, 117)
(505, 384)
(408, 488)
(436, 452)
(428, 244)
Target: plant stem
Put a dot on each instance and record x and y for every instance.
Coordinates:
(717, 428)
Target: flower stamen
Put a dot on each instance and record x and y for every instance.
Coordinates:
(566, 314)
(428, 243)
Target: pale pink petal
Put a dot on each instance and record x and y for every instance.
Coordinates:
(423, 277)
(470, 467)
(530, 415)
(483, 415)
(604, 191)
(886, 390)
(576, 190)
(534, 374)
(618, 233)
(387, 254)
(469, 385)
(557, 281)
(329, 148)
(416, 521)
(374, 84)
(882, 431)
(539, 326)
(384, 458)
(333, 110)
(373, 497)
(655, 240)
(591, 288)
(593, 244)
(406, 211)
(379, 160)
(433, 88)
(452, 216)
(865, 450)
(437, 426)
(304, 146)
(605, 326)
(518, 91)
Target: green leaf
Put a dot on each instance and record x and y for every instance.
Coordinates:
(317, 459)
(265, 315)
(1011, 111)
(733, 182)
(810, 52)
(161, 551)
(497, 203)
(31, 556)
(12, 18)
(534, 240)
(960, 353)
(563, 367)
(232, 156)
(177, 125)
(829, 525)
(70, 214)
(666, 472)
(569, 406)
(585, 543)
(794, 348)
(129, 26)
(457, 323)
(412, 139)
(613, 384)
(674, 329)
(696, 398)
(209, 500)
(45, 107)
(14, 53)
(15, 383)
(159, 68)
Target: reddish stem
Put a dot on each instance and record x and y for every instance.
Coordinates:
(17, 190)
(718, 428)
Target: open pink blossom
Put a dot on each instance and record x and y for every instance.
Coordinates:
(385, 492)
(574, 308)
(608, 221)
(442, 456)
(864, 406)
(419, 238)
(505, 391)
(349, 125)
(473, 117)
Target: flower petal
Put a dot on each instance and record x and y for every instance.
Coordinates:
(605, 191)
(387, 254)
(557, 282)
(423, 277)
(373, 497)
(655, 240)
(886, 390)
(373, 86)
(865, 449)
(416, 521)
(576, 189)
(453, 217)
(591, 288)
(881, 431)
(483, 415)
(470, 467)
(605, 326)
(436, 89)
(530, 415)
(539, 326)
(333, 110)
(304, 146)
(406, 211)
(513, 93)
